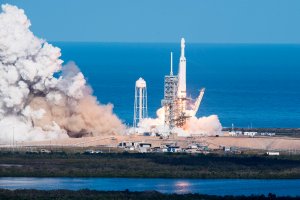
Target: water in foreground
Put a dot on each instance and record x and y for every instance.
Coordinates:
(209, 186)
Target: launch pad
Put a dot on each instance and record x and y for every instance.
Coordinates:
(178, 108)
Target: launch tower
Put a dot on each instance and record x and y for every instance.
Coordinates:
(178, 108)
(170, 96)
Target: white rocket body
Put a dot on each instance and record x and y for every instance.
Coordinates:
(182, 73)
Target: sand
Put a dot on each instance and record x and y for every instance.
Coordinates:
(263, 143)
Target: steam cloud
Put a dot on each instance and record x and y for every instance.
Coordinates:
(209, 125)
(35, 102)
(203, 126)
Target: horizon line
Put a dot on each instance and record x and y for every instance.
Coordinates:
(144, 42)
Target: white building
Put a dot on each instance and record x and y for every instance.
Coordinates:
(250, 134)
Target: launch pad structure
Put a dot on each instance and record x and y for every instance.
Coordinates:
(169, 102)
(178, 108)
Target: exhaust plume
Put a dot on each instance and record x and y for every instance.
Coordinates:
(209, 126)
(36, 103)
(204, 126)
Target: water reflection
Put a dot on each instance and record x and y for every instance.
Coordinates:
(204, 186)
(182, 187)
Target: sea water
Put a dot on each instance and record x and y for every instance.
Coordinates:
(280, 187)
(246, 85)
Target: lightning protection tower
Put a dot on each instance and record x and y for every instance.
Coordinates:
(140, 102)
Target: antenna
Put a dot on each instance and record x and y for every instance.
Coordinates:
(171, 72)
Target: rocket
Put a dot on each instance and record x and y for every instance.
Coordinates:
(181, 93)
(178, 108)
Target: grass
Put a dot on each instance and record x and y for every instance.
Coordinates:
(149, 165)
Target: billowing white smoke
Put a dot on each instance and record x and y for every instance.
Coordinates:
(203, 126)
(36, 105)
(150, 122)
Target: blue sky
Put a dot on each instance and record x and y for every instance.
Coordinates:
(202, 21)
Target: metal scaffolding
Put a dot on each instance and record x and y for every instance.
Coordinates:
(170, 96)
(181, 116)
(177, 106)
(169, 101)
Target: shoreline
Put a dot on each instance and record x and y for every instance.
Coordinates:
(126, 194)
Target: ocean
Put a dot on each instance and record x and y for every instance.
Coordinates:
(248, 85)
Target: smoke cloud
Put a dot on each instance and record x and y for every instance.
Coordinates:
(209, 125)
(40, 99)
(203, 126)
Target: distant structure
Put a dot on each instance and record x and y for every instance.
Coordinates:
(140, 102)
(178, 108)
